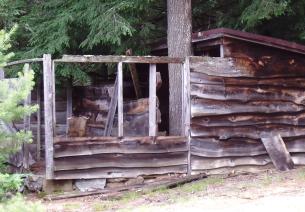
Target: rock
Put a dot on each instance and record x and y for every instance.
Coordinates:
(135, 181)
(90, 185)
(34, 183)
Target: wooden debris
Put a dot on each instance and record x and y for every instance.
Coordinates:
(77, 126)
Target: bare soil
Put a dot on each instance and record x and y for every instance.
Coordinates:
(267, 191)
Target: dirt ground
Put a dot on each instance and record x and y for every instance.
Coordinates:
(267, 191)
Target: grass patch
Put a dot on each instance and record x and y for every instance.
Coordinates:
(102, 206)
(71, 206)
(201, 185)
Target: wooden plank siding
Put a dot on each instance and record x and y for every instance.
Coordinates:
(237, 100)
(111, 157)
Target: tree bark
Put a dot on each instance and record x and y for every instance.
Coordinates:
(179, 38)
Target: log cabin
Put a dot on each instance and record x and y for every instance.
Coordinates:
(243, 111)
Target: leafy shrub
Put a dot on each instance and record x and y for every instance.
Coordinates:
(9, 183)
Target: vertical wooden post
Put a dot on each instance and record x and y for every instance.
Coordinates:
(53, 99)
(152, 100)
(120, 100)
(69, 103)
(187, 109)
(48, 84)
(26, 127)
(38, 137)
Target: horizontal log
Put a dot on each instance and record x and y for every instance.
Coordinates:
(245, 94)
(245, 66)
(162, 140)
(120, 160)
(24, 61)
(204, 107)
(250, 119)
(118, 172)
(211, 147)
(235, 170)
(280, 82)
(117, 59)
(201, 163)
(253, 132)
(115, 147)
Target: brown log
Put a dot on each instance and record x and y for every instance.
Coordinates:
(292, 82)
(212, 147)
(118, 172)
(120, 160)
(199, 163)
(205, 107)
(245, 169)
(278, 152)
(253, 132)
(245, 94)
(250, 119)
(115, 147)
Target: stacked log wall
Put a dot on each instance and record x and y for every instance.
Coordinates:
(236, 100)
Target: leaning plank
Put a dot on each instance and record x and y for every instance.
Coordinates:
(118, 172)
(117, 59)
(134, 76)
(24, 61)
(278, 152)
(112, 109)
(120, 160)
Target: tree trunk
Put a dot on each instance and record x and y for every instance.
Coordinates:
(179, 38)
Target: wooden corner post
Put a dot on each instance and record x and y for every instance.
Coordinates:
(186, 113)
(48, 88)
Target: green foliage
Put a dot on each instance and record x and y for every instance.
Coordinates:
(19, 204)
(9, 183)
(12, 94)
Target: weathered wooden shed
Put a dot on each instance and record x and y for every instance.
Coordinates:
(243, 110)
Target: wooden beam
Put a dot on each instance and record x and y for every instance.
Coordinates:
(278, 152)
(26, 127)
(24, 61)
(48, 114)
(69, 102)
(120, 100)
(38, 136)
(152, 100)
(117, 59)
(111, 112)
